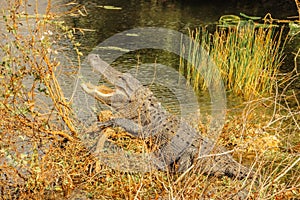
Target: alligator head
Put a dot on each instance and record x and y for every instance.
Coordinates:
(125, 85)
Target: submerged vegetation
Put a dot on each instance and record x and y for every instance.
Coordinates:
(42, 157)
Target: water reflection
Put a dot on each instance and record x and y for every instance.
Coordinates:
(176, 15)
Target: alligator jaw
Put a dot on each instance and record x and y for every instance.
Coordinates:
(110, 74)
(101, 92)
(126, 85)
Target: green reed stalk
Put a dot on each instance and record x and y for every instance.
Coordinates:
(248, 58)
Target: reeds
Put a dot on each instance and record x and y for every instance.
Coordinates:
(41, 157)
(248, 58)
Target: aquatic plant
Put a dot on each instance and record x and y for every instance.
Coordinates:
(41, 156)
(248, 57)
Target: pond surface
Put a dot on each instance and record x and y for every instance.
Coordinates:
(106, 18)
(177, 15)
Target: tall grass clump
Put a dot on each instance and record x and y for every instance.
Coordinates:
(42, 157)
(248, 57)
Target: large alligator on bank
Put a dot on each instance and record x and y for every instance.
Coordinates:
(138, 111)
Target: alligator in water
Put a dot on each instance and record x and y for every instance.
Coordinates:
(142, 115)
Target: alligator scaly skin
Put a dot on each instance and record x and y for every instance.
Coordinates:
(141, 114)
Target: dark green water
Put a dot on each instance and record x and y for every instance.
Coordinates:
(176, 15)
(104, 22)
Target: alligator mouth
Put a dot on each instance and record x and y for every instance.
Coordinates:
(101, 90)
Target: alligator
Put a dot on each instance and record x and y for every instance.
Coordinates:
(139, 113)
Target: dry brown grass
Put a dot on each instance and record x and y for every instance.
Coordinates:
(41, 156)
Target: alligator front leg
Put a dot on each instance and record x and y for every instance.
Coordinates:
(156, 158)
(171, 145)
(128, 125)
